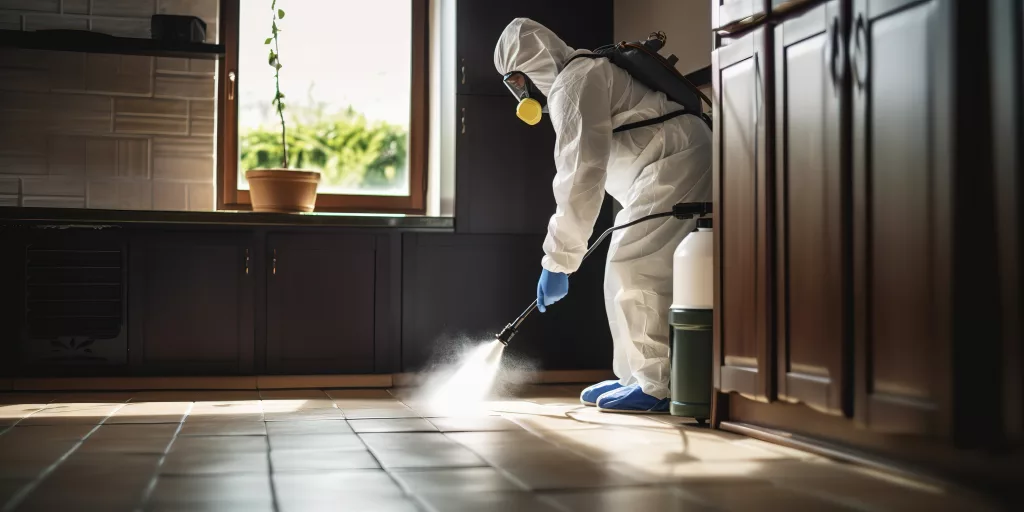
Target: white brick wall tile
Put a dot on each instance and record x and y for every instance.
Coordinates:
(10, 186)
(191, 146)
(151, 125)
(67, 155)
(205, 9)
(53, 186)
(123, 28)
(151, 107)
(120, 194)
(101, 157)
(60, 112)
(17, 140)
(118, 74)
(201, 127)
(200, 197)
(53, 202)
(205, 66)
(76, 6)
(18, 58)
(23, 79)
(124, 8)
(169, 64)
(201, 109)
(101, 194)
(171, 196)
(183, 86)
(198, 168)
(133, 158)
(35, 22)
(66, 71)
(31, 5)
(22, 165)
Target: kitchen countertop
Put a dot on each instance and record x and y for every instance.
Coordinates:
(65, 216)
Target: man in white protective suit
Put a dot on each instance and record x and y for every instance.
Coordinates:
(646, 169)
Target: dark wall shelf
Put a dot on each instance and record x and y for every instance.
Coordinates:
(101, 43)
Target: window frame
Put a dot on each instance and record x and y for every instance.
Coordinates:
(230, 197)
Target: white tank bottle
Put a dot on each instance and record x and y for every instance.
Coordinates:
(691, 318)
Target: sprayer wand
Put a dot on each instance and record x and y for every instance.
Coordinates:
(679, 211)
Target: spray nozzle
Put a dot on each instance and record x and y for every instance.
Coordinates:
(506, 334)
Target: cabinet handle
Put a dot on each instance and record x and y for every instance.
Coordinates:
(463, 120)
(273, 265)
(835, 54)
(247, 262)
(463, 69)
(860, 52)
(231, 85)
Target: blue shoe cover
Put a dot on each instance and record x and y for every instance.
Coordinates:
(631, 399)
(590, 395)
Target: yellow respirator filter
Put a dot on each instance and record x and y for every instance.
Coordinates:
(530, 111)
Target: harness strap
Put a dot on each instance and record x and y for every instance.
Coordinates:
(649, 122)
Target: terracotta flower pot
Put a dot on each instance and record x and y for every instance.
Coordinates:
(282, 190)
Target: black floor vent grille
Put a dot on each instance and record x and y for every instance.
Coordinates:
(74, 299)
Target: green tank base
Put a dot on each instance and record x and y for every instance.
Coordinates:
(699, 412)
(690, 387)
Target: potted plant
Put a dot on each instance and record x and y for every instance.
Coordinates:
(281, 190)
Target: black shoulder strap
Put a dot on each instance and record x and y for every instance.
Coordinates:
(649, 122)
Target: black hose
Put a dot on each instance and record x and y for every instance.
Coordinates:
(679, 211)
(591, 249)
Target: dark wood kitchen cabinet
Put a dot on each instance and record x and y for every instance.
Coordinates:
(505, 168)
(743, 193)
(812, 192)
(191, 303)
(321, 302)
(580, 23)
(902, 168)
(884, 238)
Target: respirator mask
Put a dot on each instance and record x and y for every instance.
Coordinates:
(532, 103)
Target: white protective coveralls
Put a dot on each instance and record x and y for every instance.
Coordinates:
(647, 170)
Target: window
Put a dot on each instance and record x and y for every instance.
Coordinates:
(354, 82)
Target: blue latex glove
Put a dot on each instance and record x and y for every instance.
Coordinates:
(551, 287)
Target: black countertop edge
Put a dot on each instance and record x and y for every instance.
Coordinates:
(82, 216)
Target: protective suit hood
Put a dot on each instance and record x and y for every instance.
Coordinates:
(533, 49)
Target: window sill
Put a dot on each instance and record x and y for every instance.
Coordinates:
(64, 216)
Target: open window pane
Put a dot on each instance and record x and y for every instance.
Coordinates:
(346, 77)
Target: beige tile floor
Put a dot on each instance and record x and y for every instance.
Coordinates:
(381, 451)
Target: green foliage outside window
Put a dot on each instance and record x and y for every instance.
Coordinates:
(351, 152)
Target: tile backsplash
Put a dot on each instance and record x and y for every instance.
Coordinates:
(105, 131)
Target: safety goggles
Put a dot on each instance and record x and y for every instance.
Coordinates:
(532, 103)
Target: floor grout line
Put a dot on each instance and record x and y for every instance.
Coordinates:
(148, 492)
(270, 461)
(25, 491)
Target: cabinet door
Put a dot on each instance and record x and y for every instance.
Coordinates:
(580, 23)
(505, 169)
(191, 303)
(320, 303)
(743, 188)
(810, 176)
(729, 13)
(899, 61)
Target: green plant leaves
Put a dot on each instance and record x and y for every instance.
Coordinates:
(280, 14)
(269, 40)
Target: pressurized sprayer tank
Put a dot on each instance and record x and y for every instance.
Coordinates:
(690, 320)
